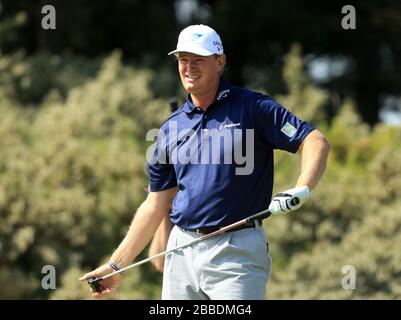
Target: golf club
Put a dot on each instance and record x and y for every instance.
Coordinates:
(96, 286)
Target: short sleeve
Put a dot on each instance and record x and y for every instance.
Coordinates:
(160, 171)
(277, 127)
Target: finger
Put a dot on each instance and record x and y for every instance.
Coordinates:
(277, 206)
(88, 275)
(273, 207)
(84, 277)
(101, 294)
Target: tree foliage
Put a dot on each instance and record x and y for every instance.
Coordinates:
(256, 35)
(352, 217)
(72, 171)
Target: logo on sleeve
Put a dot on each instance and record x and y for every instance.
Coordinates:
(289, 130)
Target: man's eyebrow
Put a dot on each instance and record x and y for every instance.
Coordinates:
(182, 56)
(186, 55)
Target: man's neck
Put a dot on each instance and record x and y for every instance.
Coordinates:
(205, 100)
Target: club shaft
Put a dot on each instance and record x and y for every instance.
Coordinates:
(263, 214)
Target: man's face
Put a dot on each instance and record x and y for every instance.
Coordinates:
(199, 74)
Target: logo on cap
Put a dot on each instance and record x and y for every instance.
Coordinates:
(196, 36)
(218, 45)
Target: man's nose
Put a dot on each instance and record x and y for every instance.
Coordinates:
(191, 64)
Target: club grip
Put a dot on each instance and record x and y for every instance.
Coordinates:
(95, 285)
(261, 215)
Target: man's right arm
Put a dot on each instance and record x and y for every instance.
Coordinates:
(147, 219)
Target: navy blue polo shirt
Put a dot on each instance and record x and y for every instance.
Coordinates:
(221, 159)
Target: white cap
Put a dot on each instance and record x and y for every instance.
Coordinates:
(199, 39)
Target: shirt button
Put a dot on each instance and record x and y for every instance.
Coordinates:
(205, 116)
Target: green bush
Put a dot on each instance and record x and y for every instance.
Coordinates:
(72, 170)
(352, 217)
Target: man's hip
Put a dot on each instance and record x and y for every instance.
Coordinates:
(233, 265)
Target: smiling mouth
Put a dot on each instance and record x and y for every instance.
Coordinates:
(192, 77)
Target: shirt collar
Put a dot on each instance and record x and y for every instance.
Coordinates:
(223, 93)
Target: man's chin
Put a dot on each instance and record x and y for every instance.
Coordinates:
(190, 88)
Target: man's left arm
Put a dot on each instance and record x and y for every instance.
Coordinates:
(314, 151)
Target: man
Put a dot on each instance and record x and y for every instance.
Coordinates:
(198, 170)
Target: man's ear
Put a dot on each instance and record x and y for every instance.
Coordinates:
(221, 62)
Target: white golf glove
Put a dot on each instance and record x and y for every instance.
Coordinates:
(289, 200)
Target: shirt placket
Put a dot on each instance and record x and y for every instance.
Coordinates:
(205, 132)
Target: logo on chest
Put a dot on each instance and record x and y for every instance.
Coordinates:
(229, 125)
(223, 94)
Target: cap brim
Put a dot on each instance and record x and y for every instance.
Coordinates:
(198, 51)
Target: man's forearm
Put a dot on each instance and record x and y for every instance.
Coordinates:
(144, 225)
(314, 153)
(159, 243)
(160, 239)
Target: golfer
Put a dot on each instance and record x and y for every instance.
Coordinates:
(212, 165)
